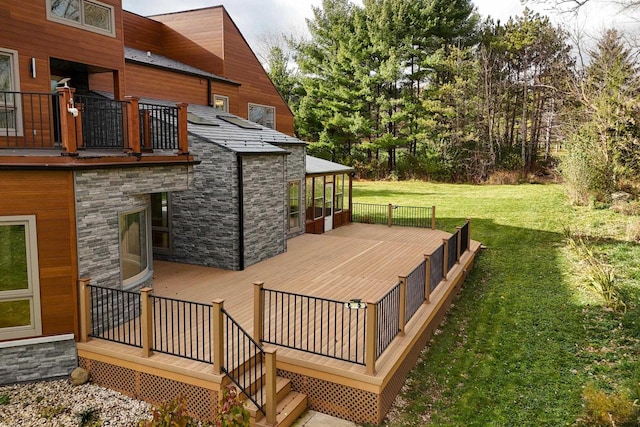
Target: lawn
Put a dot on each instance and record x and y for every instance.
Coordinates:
(524, 336)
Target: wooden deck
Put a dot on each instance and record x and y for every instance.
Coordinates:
(357, 261)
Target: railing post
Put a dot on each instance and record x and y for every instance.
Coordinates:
(427, 278)
(258, 310)
(459, 241)
(445, 259)
(133, 125)
(390, 215)
(271, 398)
(85, 309)
(468, 234)
(67, 132)
(433, 217)
(146, 317)
(403, 304)
(371, 338)
(217, 336)
(183, 135)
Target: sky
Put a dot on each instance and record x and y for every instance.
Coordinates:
(255, 18)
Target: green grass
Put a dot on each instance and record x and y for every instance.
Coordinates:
(524, 336)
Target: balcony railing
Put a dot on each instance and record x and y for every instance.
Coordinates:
(69, 122)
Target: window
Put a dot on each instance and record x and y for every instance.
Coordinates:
(309, 199)
(221, 103)
(87, 14)
(263, 114)
(339, 191)
(134, 247)
(10, 119)
(19, 278)
(294, 205)
(318, 197)
(161, 223)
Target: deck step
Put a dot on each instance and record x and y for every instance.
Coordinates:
(288, 411)
(283, 388)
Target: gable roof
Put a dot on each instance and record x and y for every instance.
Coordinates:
(317, 166)
(159, 61)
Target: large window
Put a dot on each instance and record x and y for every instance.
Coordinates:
(19, 278)
(134, 246)
(161, 223)
(339, 193)
(318, 197)
(294, 205)
(9, 103)
(263, 114)
(87, 14)
(221, 103)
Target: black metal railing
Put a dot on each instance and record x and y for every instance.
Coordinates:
(182, 328)
(404, 216)
(29, 120)
(314, 325)
(158, 126)
(415, 290)
(464, 237)
(366, 213)
(437, 268)
(115, 315)
(388, 321)
(243, 361)
(452, 249)
(104, 122)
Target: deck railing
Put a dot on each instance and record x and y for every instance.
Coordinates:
(388, 319)
(415, 293)
(436, 268)
(452, 250)
(115, 315)
(28, 120)
(181, 328)
(311, 324)
(390, 215)
(69, 121)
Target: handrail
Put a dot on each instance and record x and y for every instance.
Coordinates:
(29, 120)
(404, 216)
(115, 315)
(242, 350)
(388, 325)
(415, 294)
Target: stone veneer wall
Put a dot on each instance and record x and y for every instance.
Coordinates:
(101, 195)
(204, 220)
(296, 170)
(264, 178)
(37, 359)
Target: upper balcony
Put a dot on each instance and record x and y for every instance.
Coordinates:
(64, 127)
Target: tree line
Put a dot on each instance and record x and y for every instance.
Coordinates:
(427, 89)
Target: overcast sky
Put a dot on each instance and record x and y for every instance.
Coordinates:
(257, 17)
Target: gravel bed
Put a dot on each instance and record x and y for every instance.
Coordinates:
(59, 404)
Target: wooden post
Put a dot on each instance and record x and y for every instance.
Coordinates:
(271, 398)
(371, 338)
(390, 215)
(469, 234)
(350, 197)
(146, 131)
(183, 135)
(67, 132)
(85, 309)
(133, 123)
(258, 311)
(217, 336)
(459, 241)
(403, 304)
(433, 217)
(445, 260)
(427, 279)
(146, 321)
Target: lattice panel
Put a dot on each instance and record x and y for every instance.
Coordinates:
(113, 377)
(338, 400)
(201, 402)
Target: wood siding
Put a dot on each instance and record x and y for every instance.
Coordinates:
(142, 33)
(49, 196)
(27, 30)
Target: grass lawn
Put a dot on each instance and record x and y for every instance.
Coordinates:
(525, 336)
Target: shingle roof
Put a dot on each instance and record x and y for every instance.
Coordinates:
(160, 61)
(314, 166)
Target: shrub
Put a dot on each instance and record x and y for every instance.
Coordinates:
(609, 409)
(504, 177)
(4, 399)
(232, 413)
(171, 414)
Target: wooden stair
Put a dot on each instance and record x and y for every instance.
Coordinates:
(291, 405)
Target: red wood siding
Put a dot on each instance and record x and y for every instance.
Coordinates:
(160, 84)
(49, 196)
(142, 33)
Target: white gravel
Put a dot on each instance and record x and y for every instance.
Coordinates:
(59, 404)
